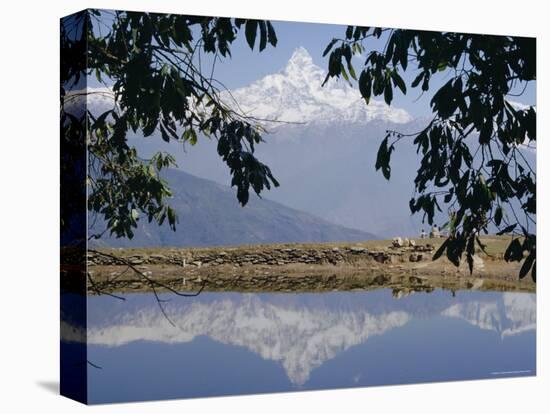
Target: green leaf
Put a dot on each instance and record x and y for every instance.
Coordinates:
(272, 36)
(398, 81)
(514, 252)
(344, 73)
(417, 80)
(426, 83)
(507, 229)
(352, 71)
(439, 252)
(365, 83)
(382, 153)
(189, 135)
(164, 135)
(486, 132)
(383, 158)
(329, 46)
(470, 260)
(263, 35)
(527, 265)
(453, 252)
(250, 32)
(100, 121)
(172, 218)
(388, 93)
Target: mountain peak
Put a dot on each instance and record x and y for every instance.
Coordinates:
(300, 56)
(300, 69)
(297, 94)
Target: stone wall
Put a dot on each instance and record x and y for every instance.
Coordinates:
(274, 256)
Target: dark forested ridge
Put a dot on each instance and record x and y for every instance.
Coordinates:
(209, 216)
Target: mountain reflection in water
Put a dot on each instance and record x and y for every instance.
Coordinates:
(232, 343)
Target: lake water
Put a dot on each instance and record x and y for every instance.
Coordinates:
(233, 343)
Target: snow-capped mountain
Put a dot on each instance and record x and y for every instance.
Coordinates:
(295, 95)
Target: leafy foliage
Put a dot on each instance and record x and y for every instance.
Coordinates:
(153, 62)
(473, 149)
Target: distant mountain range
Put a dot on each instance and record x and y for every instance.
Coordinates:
(323, 154)
(209, 215)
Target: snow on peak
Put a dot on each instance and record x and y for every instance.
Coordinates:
(295, 95)
(300, 57)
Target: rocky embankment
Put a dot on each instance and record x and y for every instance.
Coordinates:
(262, 255)
(297, 267)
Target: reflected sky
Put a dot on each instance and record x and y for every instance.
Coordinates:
(232, 343)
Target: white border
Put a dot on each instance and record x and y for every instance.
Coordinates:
(30, 193)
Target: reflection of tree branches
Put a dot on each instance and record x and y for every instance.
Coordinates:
(99, 290)
(154, 284)
(93, 365)
(82, 363)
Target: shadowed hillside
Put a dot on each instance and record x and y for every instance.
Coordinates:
(209, 215)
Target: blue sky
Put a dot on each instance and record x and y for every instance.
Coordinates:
(246, 66)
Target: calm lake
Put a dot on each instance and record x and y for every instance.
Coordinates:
(233, 343)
